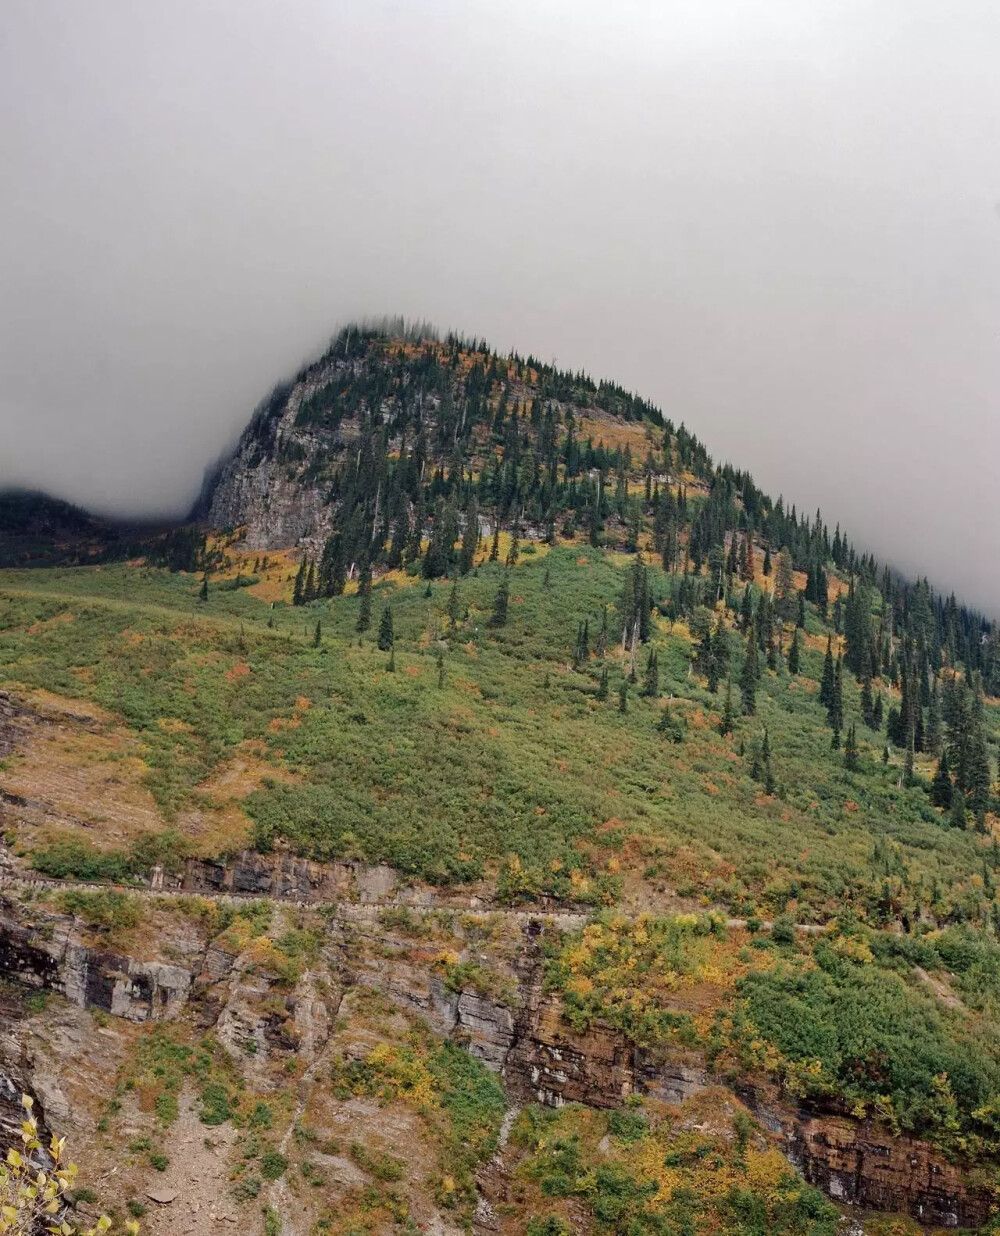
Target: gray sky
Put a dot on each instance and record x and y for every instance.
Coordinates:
(777, 219)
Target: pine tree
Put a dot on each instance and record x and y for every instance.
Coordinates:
(500, 603)
(957, 816)
(602, 688)
(800, 620)
(203, 591)
(300, 580)
(495, 544)
(391, 667)
(794, 654)
(877, 713)
(718, 660)
(651, 679)
(470, 538)
(835, 712)
(851, 751)
(767, 560)
(867, 703)
(826, 685)
(941, 787)
(728, 712)
(318, 634)
(601, 647)
(454, 604)
(309, 587)
(385, 634)
(750, 675)
(623, 696)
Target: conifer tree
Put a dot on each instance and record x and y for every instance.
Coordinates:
(454, 604)
(601, 647)
(300, 580)
(877, 713)
(651, 679)
(203, 591)
(470, 538)
(867, 703)
(602, 688)
(495, 543)
(941, 787)
(728, 720)
(718, 660)
(851, 751)
(623, 696)
(750, 674)
(794, 654)
(317, 634)
(956, 816)
(385, 633)
(800, 620)
(500, 603)
(835, 712)
(767, 560)
(826, 685)
(391, 667)
(309, 587)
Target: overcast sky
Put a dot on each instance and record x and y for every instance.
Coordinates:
(777, 219)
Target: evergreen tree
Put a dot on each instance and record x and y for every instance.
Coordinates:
(623, 696)
(835, 711)
(750, 675)
(767, 560)
(385, 634)
(867, 703)
(601, 647)
(941, 788)
(470, 538)
(728, 720)
(851, 751)
(203, 591)
(718, 661)
(669, 726)
(454, 604)
(391, 667)
(298, 597)
(794, 654)
(800, 620)
(826, 685)
(956, 815)
(877, 713)
(318, 634)
(651, 679)
(602, 688)
(495, 543)
(500, 603)
(309, 587)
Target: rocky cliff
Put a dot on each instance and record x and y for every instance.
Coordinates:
(505, 1018)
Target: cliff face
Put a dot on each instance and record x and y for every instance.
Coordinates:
(513, 1026)
(275, 484)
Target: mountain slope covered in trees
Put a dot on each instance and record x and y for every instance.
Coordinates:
(513, 632)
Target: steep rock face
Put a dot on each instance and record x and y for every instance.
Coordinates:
(51, 960)
(261, 486)
(865, 1165)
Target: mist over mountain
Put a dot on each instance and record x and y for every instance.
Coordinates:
(775, 224)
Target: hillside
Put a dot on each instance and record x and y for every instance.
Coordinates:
(458, 634)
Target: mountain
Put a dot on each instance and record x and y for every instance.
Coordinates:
(37, 530)
(490, 812)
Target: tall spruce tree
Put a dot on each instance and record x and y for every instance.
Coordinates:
(750, 674)
(501, 602)
(386, 638)
(794, 653)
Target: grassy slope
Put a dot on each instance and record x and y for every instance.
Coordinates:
(513, 756)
